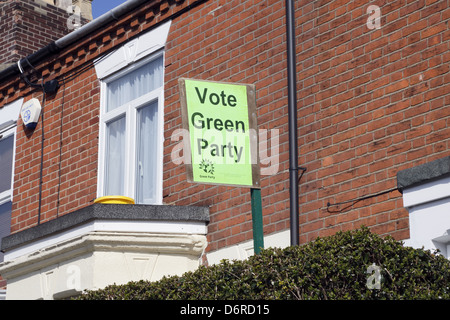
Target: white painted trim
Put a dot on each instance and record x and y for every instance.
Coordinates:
(7, 195)
(133, 51)
(98, 259)
(10, 113)
(428, 205)
(443, 243)
(427, 222)
(427, 192)
(157, 227)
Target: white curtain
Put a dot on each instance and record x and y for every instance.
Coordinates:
(115, 158)
(147, 154)
(135, 84)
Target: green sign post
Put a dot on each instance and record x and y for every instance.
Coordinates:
(222, 123)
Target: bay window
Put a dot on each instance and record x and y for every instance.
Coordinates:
(131, 133)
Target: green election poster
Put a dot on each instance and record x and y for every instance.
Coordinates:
(221, 120)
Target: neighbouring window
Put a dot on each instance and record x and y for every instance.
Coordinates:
(7, 147)
(6, 164)
(131, 133)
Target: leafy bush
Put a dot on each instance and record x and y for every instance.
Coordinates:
(334, 267)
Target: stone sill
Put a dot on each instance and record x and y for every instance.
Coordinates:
(106, 212)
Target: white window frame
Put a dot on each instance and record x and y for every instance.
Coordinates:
(7, 196)
(130, 111)
(124, 59)
(9, 114)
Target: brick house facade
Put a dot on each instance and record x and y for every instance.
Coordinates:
(373, 100)
(28, 26)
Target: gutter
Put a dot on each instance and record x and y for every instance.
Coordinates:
(60, 44)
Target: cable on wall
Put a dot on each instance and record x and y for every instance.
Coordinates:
(46, 87)
(355, 201)
(42, 157)
(60, 148)
(25, 78)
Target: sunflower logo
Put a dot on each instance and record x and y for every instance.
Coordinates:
(207, 166)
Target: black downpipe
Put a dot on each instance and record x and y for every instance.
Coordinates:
(292, 105)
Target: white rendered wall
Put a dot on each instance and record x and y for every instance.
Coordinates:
(244, 250)
(429, 214)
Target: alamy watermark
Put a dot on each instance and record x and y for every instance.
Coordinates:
(374, 20)
(74, 20)
(73, 281)
(374, 280)
(221, 146)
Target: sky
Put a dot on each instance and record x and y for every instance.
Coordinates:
(100, 7)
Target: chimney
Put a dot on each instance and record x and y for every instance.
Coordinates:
(29, 25)
(85, 6)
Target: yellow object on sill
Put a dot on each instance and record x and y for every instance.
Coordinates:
(114, 200)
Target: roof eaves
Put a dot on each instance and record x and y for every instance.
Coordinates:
(60, 44)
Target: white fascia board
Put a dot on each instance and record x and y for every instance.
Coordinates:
(427, 192)
(166, 227)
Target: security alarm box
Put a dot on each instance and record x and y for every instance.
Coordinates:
(31, 111)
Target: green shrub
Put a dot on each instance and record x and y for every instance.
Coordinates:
(334, 267)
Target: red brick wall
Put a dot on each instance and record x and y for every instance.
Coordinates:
(27, 26)
(70, 161)
(73, 185)
(6, 25)
(235, 41)
(371, 102)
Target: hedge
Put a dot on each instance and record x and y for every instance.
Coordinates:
(357, 265)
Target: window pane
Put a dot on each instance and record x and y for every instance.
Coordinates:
(135, 84)
(147, 146)
(5, 222)
(6, 162)
(115, 158)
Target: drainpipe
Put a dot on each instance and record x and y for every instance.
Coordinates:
(292, 106)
